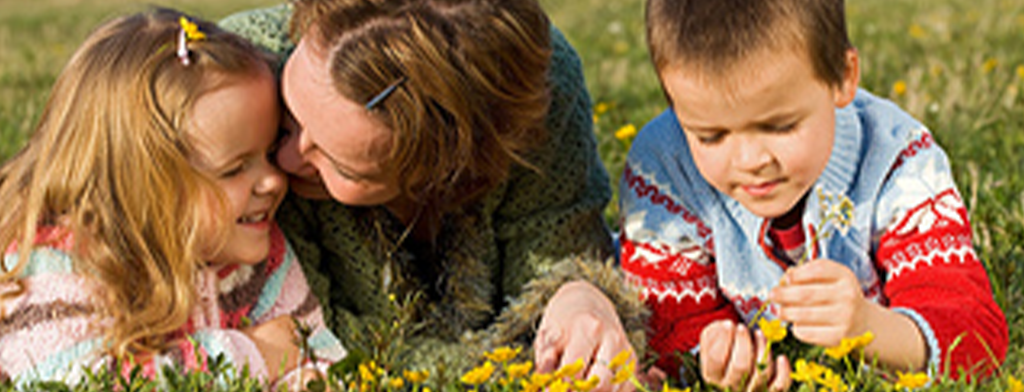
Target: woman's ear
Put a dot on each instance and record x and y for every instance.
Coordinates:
(847, 88)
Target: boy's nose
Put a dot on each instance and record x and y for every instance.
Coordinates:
(751, 155)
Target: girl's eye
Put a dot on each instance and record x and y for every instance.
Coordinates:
(234, 171)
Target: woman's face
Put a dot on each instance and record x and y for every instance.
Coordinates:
(332, 146)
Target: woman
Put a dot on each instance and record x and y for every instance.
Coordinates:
(453, 141)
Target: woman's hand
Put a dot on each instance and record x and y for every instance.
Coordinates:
(729, 357)
(580, 323)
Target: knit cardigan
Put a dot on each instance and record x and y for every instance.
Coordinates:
(700, 256)
(54, 329)
(499, 259)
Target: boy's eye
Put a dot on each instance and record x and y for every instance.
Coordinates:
(780, 127)
(709, 137)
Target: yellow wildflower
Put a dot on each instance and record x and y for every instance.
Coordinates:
(773, 330)
(911, 380)
(916, 31)
(192, 32)
(806, 371)
(989, 65)
(519, 370)
(586, 385)
(1014, 385)
(627, 132)
(831, 382)
(479, 375)
(899, 88)
(396, 383)
(936, 70)
(625, 373)
(666, 388)
(848, 345)
(1020, 71)
(570, 369)
(416, 377)
(601, 108)
(619, 360)
(392, 298)
(427, 389)
(368, 371)
(596, 118)
(559, 386)
(536, 382)
(503, 354)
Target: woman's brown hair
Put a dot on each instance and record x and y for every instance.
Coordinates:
(473, 90)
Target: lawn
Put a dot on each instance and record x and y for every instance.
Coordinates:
(958, 65)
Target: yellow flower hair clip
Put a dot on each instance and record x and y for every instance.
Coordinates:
(189, 32)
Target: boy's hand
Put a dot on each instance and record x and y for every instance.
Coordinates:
(823, 301)
(729, 358)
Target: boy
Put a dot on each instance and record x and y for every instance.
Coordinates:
(720, 202)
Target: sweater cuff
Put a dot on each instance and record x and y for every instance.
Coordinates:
(517, 323)
(934, 354)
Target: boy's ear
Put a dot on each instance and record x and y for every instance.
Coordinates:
(847, 89)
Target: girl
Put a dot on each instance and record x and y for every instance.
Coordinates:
(139, 217)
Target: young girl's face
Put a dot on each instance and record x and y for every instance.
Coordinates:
(763, 133)
(235, 129)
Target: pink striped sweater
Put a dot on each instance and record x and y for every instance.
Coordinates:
(53, 330)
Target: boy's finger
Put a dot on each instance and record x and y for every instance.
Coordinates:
(782, 378)
(716, 346)
(818, 270)
(741, 359)
(763, 367)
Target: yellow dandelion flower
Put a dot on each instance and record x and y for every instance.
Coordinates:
(899, 88)
(367, 372)
(503, 354)
(601, 108)
(625, 373)
(427, 389)
(1020, 71)
(911, 380)
(586, 385)
(989, 65)
(627, 132)
(559, 386)
(416, 376)
(666, 388)
(519, 370)
(570, 369)
(916, 31)
(396, 383)
(936, 70)
(1014, 385)
(596, 118)
(478, 375)
(831, 382)
(392, 298)
(804, 371)
(536, 382)
(619, 360)
(773, 330)
(192, 32)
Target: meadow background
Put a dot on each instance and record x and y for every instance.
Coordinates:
(958, 65)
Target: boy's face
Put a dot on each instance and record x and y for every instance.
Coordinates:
(763, 132)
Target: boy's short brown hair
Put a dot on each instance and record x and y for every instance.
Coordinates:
(714, 35)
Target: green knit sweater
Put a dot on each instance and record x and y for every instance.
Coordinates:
(495, 263)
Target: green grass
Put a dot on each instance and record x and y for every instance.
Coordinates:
(960, 60)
